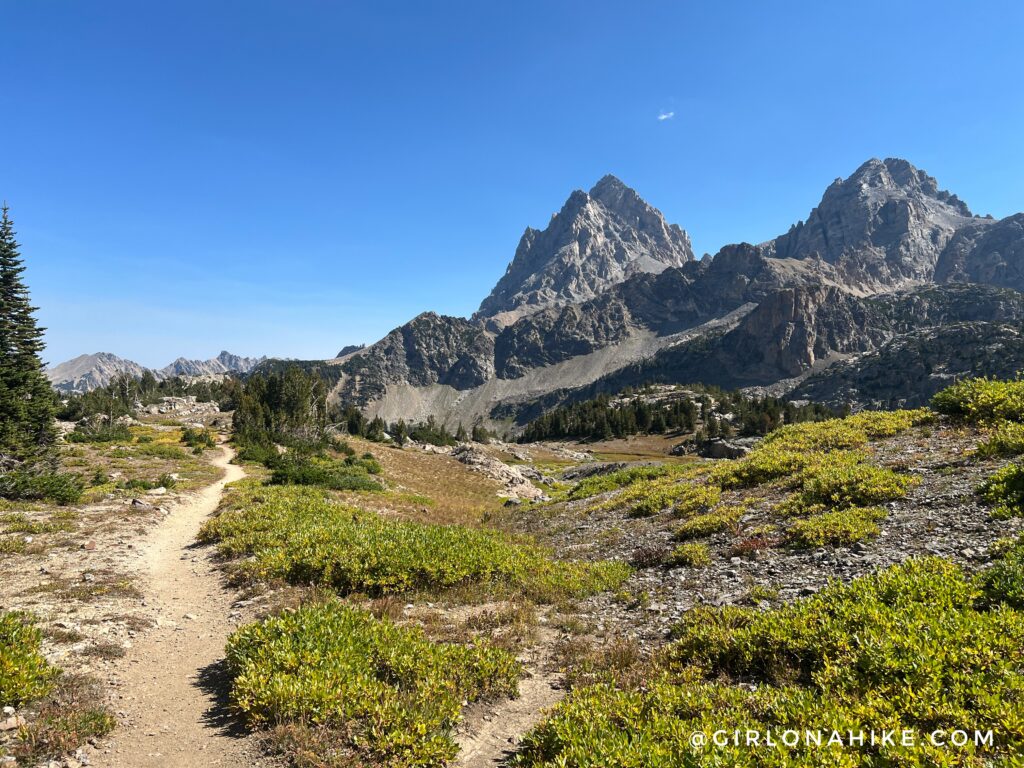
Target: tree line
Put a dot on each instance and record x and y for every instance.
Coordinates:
(125, 394)
(710, 411)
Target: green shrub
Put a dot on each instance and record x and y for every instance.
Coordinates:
(844, 480)
(24, 673)
(1007, 439)
(837, 528)
(292, 469)
(707, 524)
(791, 449)
(257, 452)
(906, 648)
(100, 432)
(19, 522)
(1004, 581)
(1005, 489)
(392, 696)
(34, 484)
(649, 497)
(199, 439)
(300, 535)
(693, 554)
(592, 486)
(982, 400)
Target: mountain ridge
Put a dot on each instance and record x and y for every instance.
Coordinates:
(886, 228)
(92, 371)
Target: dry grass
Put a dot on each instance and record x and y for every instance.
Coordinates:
(428, 487)
(92, 586)
(637, 448)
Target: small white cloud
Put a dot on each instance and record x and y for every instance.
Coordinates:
(666, 115)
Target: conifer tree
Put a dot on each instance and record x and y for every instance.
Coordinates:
(27, 403)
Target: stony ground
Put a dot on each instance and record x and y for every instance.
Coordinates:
(940, 516)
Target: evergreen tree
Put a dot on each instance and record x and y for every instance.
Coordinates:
(27, 403)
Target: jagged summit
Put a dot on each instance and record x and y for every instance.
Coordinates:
(895, 173)
(884, 226)
(608, 295)
(597, 240)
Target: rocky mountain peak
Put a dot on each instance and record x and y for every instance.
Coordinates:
(596, 240)
(884, 226)
(895, 176)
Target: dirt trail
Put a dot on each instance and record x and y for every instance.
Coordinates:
(492, 732)
(169, 682)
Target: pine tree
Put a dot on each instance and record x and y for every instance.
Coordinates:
(27, 403)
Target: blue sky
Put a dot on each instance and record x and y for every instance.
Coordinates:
(288, 177)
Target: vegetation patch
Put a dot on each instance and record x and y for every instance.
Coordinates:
(100, 431)
(302, 536)
(982, 400)
(199, 439)
(840, 527)
(1005, 491)
(70, 714)
(790, 450)
(844, 480)
(693, 554)
(1004, 581)
(913, 647)
(38, 484)
(612, 481)
(682, 498)
(707, 524)
(349, 474)
(24, 673)
(1006, 439)
(387, 693)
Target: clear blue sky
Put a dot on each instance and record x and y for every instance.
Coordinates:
(288, 177)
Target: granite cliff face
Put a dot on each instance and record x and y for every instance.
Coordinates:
(595, 241)
(609, 294)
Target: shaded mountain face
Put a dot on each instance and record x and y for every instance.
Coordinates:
(88, 372)
(609, 295)
(597, 240)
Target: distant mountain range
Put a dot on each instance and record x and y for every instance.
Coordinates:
(87, 372)
(890, 288)
(872, 300)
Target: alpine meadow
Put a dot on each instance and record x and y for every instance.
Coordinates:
(467, 455)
